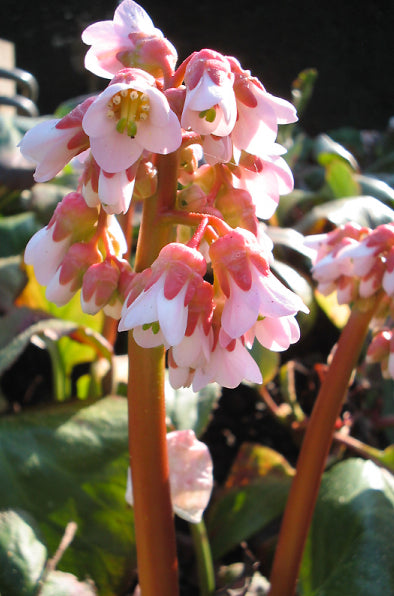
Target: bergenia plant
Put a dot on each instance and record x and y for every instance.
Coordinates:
(197, 145)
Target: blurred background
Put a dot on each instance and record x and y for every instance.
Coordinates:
(350, 44)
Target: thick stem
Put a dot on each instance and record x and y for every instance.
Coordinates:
(315, 447)
(154, 525)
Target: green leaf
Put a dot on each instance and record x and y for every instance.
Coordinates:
(327, 151)
(267, 361)
(376, 188)
(341, 180)
(255, 494)
(15, 232)
(12, 281)
(22, 555)
(189, 410)
(350, 549)
(69, 463)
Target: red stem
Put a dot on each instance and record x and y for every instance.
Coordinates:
(154, 526)
(315, 447)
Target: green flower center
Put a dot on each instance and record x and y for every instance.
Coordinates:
(126, 108)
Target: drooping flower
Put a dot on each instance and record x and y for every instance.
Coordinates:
(191, 477)
(72, 221)
(113, 191)
(129, 40)
(265, 178)
(176, 274)
(259, 113)
(130, 115)
(100, 287)
(251, 290)
(210, 106)
(51, 144)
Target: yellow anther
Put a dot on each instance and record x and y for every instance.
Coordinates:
(110, 114)
(133, 94)
(143, 116)
(116, 99)
(124, 92)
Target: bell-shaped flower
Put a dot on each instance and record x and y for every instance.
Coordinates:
(72, 221)
(265, 178)
(275, 334)
(69, 275)
(130, 40)
(210, 106)
(51, 144)
(100, 287)
(130, 115)
(176, 274)
(191, 475)
(113, 191)
(259, 113)
(228, 366)
(251, 290)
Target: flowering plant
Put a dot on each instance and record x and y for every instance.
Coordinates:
(188, 157)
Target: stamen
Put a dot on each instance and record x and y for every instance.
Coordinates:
(124, 92)
(143, 116)
(117, 99)
(209, 114)
(110, 114)
(133, 94)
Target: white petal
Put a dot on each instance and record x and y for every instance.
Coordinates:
(172, 316)
(143, 310)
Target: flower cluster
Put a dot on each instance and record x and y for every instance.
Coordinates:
(358, 263)
(211, 293)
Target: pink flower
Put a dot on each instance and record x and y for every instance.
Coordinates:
(176, 274)
(228, 366)
(265, 178)
(114, 191)
(191, 477)
(252, 291)
(53, 143)
(210, 106)
(100, 287)
(130, 40)
(275, 334)
(69, 275)
(71, 222)
(259, 113)
(130, 115)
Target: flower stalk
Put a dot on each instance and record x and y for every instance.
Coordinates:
(154, 525)
(315, 447)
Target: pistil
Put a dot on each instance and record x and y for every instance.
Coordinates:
(127, 107)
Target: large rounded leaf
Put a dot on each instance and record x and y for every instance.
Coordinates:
(69, 463)
(350, 549)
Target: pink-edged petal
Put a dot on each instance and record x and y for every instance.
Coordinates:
(240, 311)
(191, 478)
(284, 110)
(231, 368)
(172, 316)
(217, 149)
(59, 294)
(388, 282)
(102, 33)
(275, 299)
(160, 139)
(179, 376)
(45, 255)
(129, 17)
(115, 152)
(143, 310)
(115, 192)
(277, 334)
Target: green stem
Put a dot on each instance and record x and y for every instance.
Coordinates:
(61, 382)
(154, 525)
(206, 573)
(315, 447)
